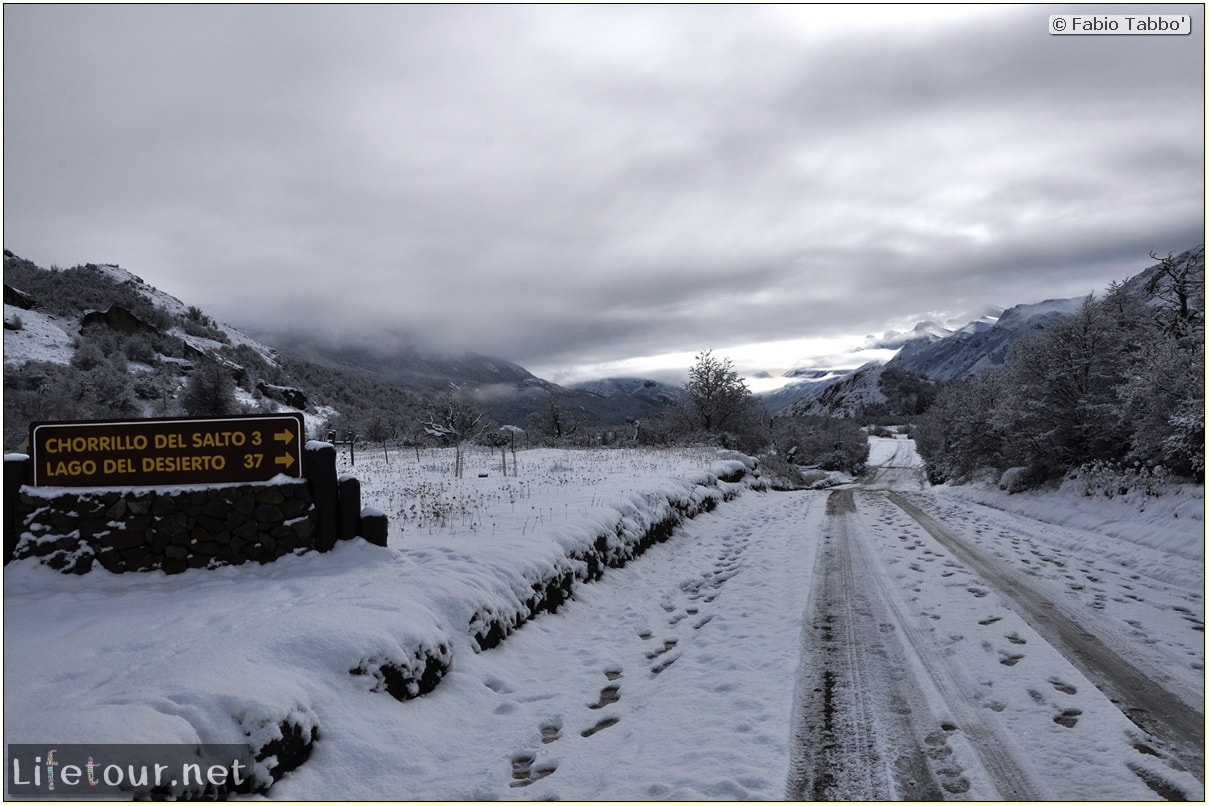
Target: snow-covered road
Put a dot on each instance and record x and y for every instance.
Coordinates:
(999, 694)
(879, 640)
(882, 641)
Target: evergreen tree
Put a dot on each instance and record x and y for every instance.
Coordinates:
(210, 390)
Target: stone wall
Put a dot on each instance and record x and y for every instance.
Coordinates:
(168, 530)
(146, 529)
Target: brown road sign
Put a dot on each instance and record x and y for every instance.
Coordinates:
(183, 450)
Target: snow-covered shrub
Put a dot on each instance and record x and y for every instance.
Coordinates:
(780, 473)
(826, 442)
(1108, 480)
(1015, 480)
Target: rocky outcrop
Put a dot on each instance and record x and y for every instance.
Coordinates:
(116, 318)
(18, 299)
(294, 398)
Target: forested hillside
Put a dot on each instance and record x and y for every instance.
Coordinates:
(93, 341)
(1115, 391)
(96, 342)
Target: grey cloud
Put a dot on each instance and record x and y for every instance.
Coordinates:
(583, 184)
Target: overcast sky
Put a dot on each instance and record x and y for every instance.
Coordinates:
(596, 191)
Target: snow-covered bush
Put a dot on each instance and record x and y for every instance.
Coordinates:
(1108, 480)
(826, 442)
(1015, 480)
(780, 473)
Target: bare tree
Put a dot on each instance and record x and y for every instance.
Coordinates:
(1064, 406)
(380, 430)
(720, 398)
(454, 422)
(1180, 288)
(555, 421)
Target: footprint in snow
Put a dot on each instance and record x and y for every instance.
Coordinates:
(599, 726)
(668, 645)
(608, 696)
(497, 685)
(525, 771)
(1068, 718)
(1065, 688)
(551, 731)
(1008, 658)
(659, 668)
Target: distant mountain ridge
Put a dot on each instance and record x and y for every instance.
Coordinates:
(638, 388)
(46, 324)
(930, 330)
(812, 382)
(508, 392)
(415, 369)
(936, 357)
(979, 344)
(369, 381)
(934, 352)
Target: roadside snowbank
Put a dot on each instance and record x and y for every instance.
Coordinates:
(1173, 522)
(242, 654)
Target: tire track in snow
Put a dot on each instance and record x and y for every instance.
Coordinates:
(862, 726)
(1145, 702)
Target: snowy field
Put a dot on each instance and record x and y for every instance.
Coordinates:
(217, 656)
(691, 673)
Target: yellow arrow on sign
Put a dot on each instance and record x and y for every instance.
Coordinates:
(284, 436)
(286, 460)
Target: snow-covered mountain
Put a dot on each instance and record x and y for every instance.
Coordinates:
(932, 351)
(844, 396)
(979, 344)
(807, 383)
(930, 330)
(34, 333)
(873, 390)
(638, 388)
(154, 339)
(366, 381)
(947, 351)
